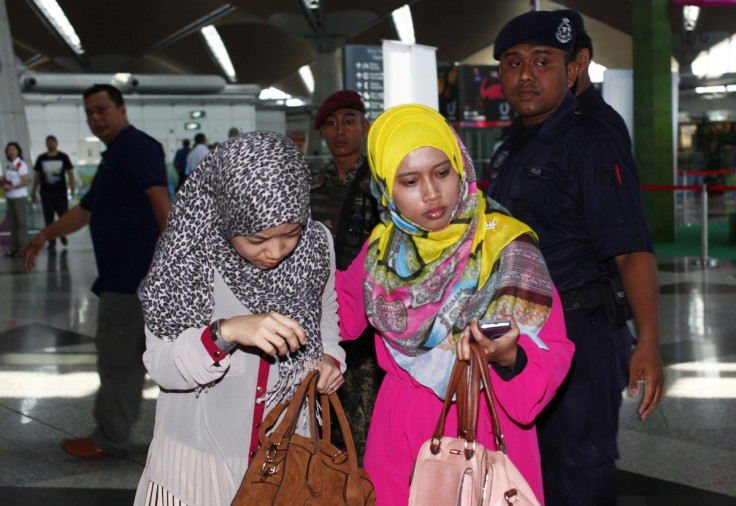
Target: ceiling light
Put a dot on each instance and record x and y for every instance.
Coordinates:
(273, 94)
(690, 15)
(305, 72)
(53, 13)
(404, 25)
(717, 116)
(219, 51)
(280, 97)
(710, 89)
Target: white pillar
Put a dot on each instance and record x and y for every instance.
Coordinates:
(13, 124)
(409, 75)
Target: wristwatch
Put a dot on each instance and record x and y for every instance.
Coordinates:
(216, 336)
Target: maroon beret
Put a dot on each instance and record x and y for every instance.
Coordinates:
(345, 99)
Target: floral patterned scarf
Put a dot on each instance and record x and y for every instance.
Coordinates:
(423, 287)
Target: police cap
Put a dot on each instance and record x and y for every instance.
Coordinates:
(582, 38)
(544, 28)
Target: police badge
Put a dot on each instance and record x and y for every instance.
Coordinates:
(564, 31)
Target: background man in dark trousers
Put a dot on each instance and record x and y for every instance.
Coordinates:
(49, 173)
(572, 178)
(180, 162)
(341, 199)
(126, 208)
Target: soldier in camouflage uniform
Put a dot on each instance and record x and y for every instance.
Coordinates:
(341, 199)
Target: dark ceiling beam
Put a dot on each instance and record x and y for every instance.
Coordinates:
(315, 23)
(181, 33)
(36, 58)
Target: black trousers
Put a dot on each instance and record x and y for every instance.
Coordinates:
(53, 203)
(577, 431)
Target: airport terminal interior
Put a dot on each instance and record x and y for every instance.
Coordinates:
(685, 453)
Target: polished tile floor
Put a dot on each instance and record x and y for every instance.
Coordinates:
(684, 454)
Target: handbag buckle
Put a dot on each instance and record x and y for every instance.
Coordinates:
(269, 469)
(337, 455)
(269, 466)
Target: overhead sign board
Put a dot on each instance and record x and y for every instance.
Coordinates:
(363, 72)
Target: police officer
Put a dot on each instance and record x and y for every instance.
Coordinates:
(573, 180)
(590, 100)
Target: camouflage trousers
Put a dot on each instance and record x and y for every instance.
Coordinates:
(358, 394)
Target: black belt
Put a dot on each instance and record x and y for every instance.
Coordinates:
(585, 296)
(606, 293)
(575, 299)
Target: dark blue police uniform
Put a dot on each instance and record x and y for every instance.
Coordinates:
(591, 102)
(574, 181)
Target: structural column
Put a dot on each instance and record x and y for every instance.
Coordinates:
(326, 82)
(653, 115)
(13, 124)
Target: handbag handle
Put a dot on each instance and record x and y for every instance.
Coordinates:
(307, 394)
(465, 383)
(480, 358)
(347, 435)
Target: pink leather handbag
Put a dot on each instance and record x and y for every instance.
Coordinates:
(460, 471)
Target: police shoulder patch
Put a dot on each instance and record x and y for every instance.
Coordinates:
(499, 159)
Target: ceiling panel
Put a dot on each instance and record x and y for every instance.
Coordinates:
(269, 40)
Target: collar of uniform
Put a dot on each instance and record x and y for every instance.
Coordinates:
(554, 124)
(590, 93)
(349, 177)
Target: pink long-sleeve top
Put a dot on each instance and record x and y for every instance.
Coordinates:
(406, 412)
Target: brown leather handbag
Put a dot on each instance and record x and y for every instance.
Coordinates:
(293, 469)
(460, 471)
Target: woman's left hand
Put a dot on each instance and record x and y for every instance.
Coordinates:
(330, 377)
(501, 350)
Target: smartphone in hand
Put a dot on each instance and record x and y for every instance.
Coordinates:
(492, 329)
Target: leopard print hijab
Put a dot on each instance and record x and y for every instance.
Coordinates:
(254, 182)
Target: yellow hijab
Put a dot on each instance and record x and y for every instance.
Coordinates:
(422, 287)
(396, 133)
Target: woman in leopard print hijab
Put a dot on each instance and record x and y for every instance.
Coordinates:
(259, 181)
(242, 274)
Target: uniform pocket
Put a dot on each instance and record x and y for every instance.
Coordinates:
(534, 186)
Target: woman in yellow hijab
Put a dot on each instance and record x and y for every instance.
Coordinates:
(443, 257)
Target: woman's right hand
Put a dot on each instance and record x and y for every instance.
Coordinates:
(501, 350)
(273, 333)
